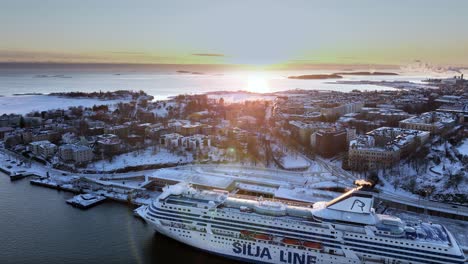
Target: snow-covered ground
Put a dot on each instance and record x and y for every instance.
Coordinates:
(440, 172)
(136, 158)
(27, 103)
(239, 97)
(294, 162)
(463, 148)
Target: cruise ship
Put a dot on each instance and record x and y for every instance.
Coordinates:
(343, 230)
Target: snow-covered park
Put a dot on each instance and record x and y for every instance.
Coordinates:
(27, 103)
(463, 148)
(294, 162)
(137, 158)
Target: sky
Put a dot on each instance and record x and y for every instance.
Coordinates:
(251, 32)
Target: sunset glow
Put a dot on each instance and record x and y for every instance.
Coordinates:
(257, 84)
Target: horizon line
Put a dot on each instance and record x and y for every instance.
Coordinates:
(221, 65)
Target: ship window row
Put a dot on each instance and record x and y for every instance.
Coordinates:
(176, 208)
(170, 219)
(397, 242)
(216, 219)
(189, 202)
(238, 228)
(399, 256)
(226, 238)
(281, 224)
(154, 210)
(181, 203)
(405, 248)
(250, 225)
(270, 226)
(332, 245)
(178, 216)
(241, 227)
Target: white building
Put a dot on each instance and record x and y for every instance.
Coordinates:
(170, 140)
(76, 153)
(434, 122)
(196, 142)
(342, 109)
(383, 147)
(43, 148)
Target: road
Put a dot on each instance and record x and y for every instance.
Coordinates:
(422, 203)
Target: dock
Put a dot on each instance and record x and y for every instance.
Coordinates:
(46, 183)
(85, 201)
(18, 175)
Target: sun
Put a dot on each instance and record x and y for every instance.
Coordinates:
(257, 84)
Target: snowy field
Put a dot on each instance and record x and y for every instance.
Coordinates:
(138, 158)
(463, 148)
(26, 103)
(293, 162)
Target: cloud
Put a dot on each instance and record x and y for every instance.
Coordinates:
(96, 57)
(129, 53)
(208, 54)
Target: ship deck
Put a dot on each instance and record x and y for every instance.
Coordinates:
(425, 232)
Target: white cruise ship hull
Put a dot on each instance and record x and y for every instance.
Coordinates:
(245, 250)
(344, 230)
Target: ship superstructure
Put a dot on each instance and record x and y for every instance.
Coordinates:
(344, 230)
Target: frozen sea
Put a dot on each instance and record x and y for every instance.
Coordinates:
(159, 83)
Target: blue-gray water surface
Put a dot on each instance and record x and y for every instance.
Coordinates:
(37, 226)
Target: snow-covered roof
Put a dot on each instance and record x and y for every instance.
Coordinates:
(435, 118)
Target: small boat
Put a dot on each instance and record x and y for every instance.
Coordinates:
(261, 236)
(245, 209)
(314, 245)
(246, 232)
(291, 241)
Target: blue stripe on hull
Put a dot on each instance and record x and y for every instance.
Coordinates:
(237, 258)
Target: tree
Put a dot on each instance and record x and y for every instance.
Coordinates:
(252, 148)
(455, 179)
(22, 123)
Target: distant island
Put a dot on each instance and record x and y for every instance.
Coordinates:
(337, 75)
(366, 73)
(316, 76)
(190, 72)
(121, 94)
(21, 94)
(51, 76)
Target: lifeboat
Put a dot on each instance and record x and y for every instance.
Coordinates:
(246, 232)
(260, 236)
(314, 245)
(291, 241)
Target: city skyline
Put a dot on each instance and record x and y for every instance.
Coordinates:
(260, 33)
